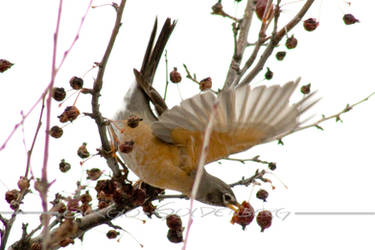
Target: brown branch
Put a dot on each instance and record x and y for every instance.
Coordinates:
(254, 159)
(240, 44)
(246, 182)
(189, 76)
(276, 38)
(98, 84)
(30, 151)
(77, 227)
(261, 40)
(217, 9)
(9, 223)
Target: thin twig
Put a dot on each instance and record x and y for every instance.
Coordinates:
(44, 93)
(260, 42)
(246, 182)
(326, 118)
(171, 196)
(166, 75)
(43, 184)
(98, 84)
(81, 225)
(189, 76)
(30, 151)
(276, 38)
(254, 159)
(240, 44)
(200, 167)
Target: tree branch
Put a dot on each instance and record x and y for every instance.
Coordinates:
(276, 38)
(240, 44)
(98, 84)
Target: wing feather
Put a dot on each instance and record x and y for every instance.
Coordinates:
(245, 117)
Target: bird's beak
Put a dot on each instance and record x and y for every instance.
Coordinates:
(234, 207)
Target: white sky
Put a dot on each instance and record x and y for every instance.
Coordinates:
(329, 171)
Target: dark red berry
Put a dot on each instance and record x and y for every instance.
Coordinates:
(217, 8)
(58, 94)
(139, 197)
(244, 215)
(73, 204)
(70, 114)
(305, 89)
(310, 24)
(175, 236)
(260, 8)
(291, 42)
(269, 74)
(23, 183)
(56, 132)
(76, 82)
(148, 208)
(272, 166)
(82, 151)
(12, 195)
(112, 234)
(264, 219)
(280, 55)
(262, 194)
(350, 19)
(206, 83)
(5, 65)
(175, 76)
(64, 166)
(65, 242)
(174, 222)
(126, 147)
(107, 186)
(94, 174)
(86, 197)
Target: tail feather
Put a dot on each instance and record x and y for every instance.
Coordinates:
(136, 101)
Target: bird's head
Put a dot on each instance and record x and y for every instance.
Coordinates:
(214, 191)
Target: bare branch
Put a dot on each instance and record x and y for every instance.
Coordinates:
(98, 84)
(240, 44)
(326, 118)
(276, 38)
(246, 182)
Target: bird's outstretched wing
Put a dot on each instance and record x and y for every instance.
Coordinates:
(245, 117)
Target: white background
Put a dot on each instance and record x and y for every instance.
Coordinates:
(325, 171)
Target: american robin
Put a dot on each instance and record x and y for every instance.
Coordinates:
(166, 149)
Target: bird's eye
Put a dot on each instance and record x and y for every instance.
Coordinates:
(227, 198)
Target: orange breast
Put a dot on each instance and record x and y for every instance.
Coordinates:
(158, 163)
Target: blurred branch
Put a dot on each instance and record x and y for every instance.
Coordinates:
(261, 40)
(217, 9)
(275, 39)
(246, 182)
(189, 76)
(240, 44)
(76, 228)
(30, 151)
(254, 159)
(98, 84)
(166, 75)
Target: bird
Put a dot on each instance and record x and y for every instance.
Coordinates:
(166, 146)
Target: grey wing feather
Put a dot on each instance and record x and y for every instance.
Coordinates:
(263, 108)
